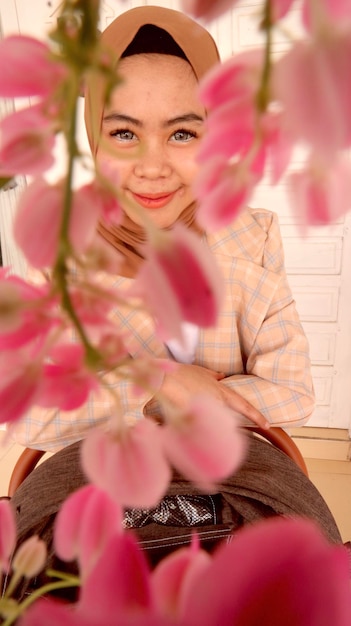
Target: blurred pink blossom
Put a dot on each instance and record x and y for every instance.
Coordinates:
(117, 592)
(175, 577)
(241, 143)
(205, 444)
(316, 98)
(27, 142)
(92, 303)
(30, 557)
(234, 80)
(27, 311)
(180, 266)
(8, 533)
(85, 523)
(212, 9)
(38, 221)
(320, 194)
(107, 202)
(135, 455)
(223, 191)
(20, 382)
(273, 572)
(208, 9)
(67, 381)
(326, 14)
(27, 68)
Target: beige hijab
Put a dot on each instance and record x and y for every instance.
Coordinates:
(201, 52)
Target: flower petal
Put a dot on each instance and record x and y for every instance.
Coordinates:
(276, 571)
(131, 466)
(85, 523)
(204, 444)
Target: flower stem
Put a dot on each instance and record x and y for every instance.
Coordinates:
(38, 593)
(61, 271)
(263, 94)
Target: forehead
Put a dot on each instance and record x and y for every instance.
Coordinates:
(151, 73)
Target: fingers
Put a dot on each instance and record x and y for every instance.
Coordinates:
(219, 375)
(240, 405)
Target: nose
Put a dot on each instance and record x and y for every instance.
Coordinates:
(153, 162)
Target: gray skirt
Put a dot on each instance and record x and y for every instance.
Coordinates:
(267, 484)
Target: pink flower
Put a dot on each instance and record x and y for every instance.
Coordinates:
(211, 9)
(92, 303)
(235, 80)
(38, 222)
(326, 14)
(208, 9)
(19, 384)
(223, 191)
(66, 382)
(117, 591)
(204, 444)
(119, 583)
(107, 202)
(86, 522)
(27, 68)
(243, 139)
(8, 533)
(26, 312)
(30, 557)
(27, 142)
(319, 194)
(176, 576)
(274, 572)
(179, 268)
(317, 111)
(134, 455)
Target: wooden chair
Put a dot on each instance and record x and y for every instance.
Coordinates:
(29, 458)
(24, 465)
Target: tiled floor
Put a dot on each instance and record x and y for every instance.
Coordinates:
(332, 479)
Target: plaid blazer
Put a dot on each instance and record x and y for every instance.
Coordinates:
(258, 342)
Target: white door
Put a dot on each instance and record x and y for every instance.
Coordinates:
(319, 266)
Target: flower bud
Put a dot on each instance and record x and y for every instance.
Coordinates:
(30, 557)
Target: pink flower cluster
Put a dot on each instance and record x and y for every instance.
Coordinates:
(261, 109)
(55, 226)
(253, 125)
(279, 570)
(202, 443)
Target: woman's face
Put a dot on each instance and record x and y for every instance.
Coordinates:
(150, 135)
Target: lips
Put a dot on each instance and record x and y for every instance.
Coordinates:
(153, 201)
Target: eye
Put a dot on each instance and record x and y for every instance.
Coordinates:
(123, 135)
(184, 135)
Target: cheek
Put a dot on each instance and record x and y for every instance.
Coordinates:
(116, 170)
(190, 168)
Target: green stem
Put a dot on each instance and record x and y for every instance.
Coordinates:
(35, 595)
(263, 96)
(60, 270)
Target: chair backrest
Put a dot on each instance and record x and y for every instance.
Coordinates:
(24, 465)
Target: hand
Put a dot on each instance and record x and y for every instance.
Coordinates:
(187, 380)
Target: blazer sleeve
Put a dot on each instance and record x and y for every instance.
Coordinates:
(277, 370)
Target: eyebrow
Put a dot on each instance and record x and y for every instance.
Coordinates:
(180, 119)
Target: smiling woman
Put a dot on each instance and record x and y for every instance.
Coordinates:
(252, 367)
